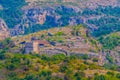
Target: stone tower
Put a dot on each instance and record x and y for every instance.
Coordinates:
(36, 46)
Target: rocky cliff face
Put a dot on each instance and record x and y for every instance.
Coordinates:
(47, 17)
(4, 32)
(44, 14)
(55, 15)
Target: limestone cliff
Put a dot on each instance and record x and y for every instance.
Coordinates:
(4, 32)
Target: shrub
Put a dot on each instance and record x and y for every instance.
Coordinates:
(85, 56)
(11, 67)
(63, 68)
(118, 75)
(95, 60)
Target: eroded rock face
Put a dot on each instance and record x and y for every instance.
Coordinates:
(52, 16)
(49, 14)
(4, 32)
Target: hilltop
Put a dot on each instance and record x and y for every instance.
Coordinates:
(75, 37)
(67, 40)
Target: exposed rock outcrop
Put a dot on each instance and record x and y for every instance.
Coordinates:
(4, 32)
(56, 13)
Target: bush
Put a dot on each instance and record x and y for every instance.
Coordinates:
(30, 77)
(45, 73)
(111, 41)
(59, 33)
(85, 56)
(2, 56)
(95, 60)
(63, 68)
(11, 67)
(12, 74)
(118, 75)
(101, 77)
(110, 73)
(109, 58)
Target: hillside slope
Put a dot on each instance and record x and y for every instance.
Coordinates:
(84, 60)
(78, 41)
(76, 37)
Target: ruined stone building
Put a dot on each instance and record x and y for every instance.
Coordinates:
(36, 46)
(28, 47)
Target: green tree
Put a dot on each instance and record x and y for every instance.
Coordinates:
(118, 75)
